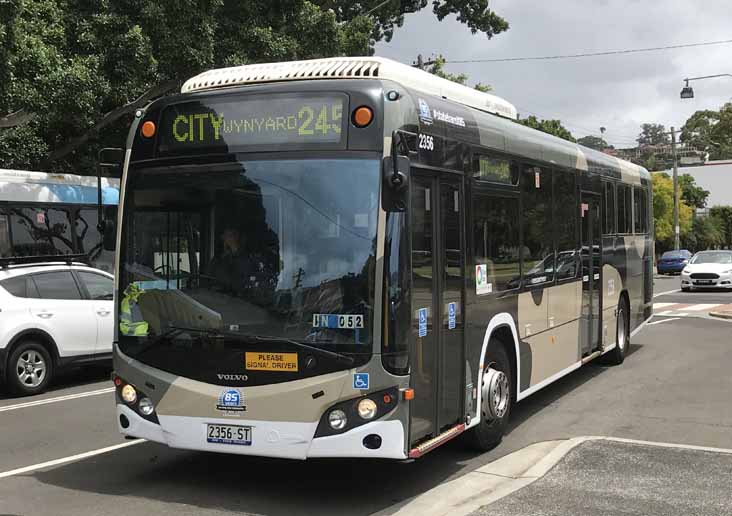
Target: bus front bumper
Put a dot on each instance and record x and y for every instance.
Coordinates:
(281, 439)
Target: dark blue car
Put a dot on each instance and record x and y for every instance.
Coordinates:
(673, 262)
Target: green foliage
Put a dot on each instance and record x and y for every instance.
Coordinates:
(692, 194)
(69, 62)
(593, 142)
(723, 217)
(438, 68)
(663, 212)
(710, 131)
(554, 127)
(706, 233)
(652, 134)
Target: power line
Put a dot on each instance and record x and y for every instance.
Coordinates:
(590, 54)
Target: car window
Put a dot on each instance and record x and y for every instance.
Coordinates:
(99, 287)
(672, 254)
(719, 257)
(56, 285)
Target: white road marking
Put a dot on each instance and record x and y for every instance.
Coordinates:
(57, 399)
(682, 314)
(701, 306)
(667, 312)
(664, 293)
(663, 321)
(663, 305)
(72, 458)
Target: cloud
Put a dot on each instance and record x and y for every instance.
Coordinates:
(617, 92)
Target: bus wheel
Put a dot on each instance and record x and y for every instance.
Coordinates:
(617, 355)
(496, 400)
(29, 369)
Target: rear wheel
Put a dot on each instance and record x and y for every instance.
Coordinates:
(496, 399)
(30, 369)
(622, 339)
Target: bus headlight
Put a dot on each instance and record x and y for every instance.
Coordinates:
(367, 408)
(337, 419)
(146, 406)
(129, 395)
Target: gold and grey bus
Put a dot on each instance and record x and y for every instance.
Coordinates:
(350, 257)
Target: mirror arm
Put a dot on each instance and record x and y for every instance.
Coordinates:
(397, 180)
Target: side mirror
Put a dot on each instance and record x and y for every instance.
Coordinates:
(395, 180)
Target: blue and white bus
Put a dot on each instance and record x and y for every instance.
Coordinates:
(53, 214)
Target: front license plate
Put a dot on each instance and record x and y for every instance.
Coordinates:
(704, 282)
(229, 434)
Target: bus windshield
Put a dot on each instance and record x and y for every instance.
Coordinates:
(269, 249)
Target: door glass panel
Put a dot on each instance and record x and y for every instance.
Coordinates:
(591, 273)
(423, 363)
(4, 236)
(56, 285)
(451, 346)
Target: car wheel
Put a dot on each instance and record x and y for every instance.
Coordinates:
(622, 336)
(497, 399)
(30, 369)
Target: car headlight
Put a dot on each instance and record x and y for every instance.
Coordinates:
(367, 408)
(337, 419)
(686, 270)
(129, 394)
(727, 272)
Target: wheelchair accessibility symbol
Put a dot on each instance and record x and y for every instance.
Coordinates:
(361, 381)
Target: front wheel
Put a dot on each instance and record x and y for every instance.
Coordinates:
(496, 399)
(29, 369)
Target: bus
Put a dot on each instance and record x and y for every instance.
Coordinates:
(350, 257)
(43, 214)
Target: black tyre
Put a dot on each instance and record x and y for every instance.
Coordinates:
(30, 369)
(622, 336)
(497, 398)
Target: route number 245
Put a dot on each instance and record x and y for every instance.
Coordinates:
(426, 142)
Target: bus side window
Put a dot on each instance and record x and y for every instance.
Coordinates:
(566, 212)
(5, 245)
(609, 207)
(496, 242)
(538, 249)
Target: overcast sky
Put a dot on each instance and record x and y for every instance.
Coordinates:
(617, 92)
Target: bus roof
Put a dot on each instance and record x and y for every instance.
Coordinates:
(29, 186)
(351, 68)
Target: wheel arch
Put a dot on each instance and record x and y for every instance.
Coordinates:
(501, 327)
(43, 338)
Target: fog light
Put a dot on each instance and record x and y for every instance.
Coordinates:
(337, 419)
(146, 406)
(129, 394)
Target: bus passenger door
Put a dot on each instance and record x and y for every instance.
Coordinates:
(438, 377)
(591, 273)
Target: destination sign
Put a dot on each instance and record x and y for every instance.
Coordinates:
(251, 121)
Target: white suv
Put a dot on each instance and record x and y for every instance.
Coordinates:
(52, 315)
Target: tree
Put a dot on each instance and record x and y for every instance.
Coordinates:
(706, 233)
(710, 131)
(723, 216)
(663, 207)
(67, 64)
(554, 127)
(438, 68)
(652, 134)
(593, 142)
(692, 194)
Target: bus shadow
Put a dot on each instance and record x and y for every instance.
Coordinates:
(217, 482)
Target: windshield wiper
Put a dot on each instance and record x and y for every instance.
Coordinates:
(212, 332)
(265, 338)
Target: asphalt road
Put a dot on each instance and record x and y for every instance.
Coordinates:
(673, 387)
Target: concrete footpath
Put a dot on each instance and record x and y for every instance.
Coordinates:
(723, 312)
(590, 476)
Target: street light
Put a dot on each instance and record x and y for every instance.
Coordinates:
(687, 92)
